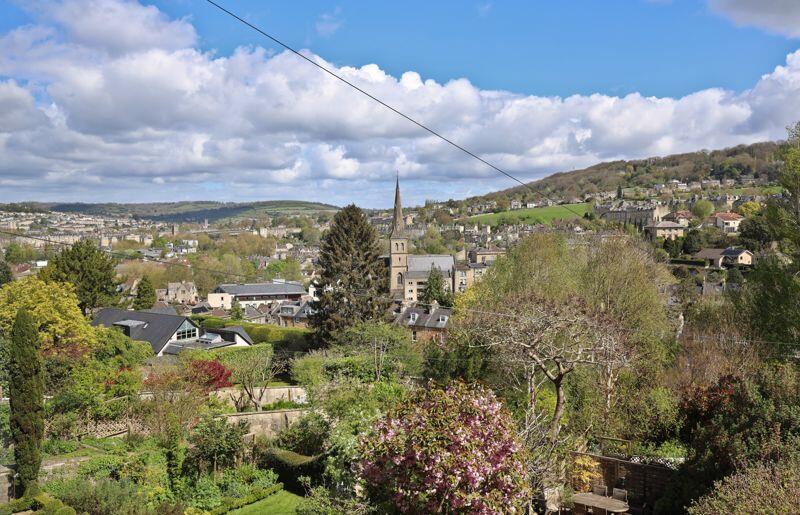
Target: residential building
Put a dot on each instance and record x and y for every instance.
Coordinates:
(425, 323)
(254, 294)
(184, 292)
(725, 257)
(168, 334)
(664, 229)
(639, 214)
(294, 314)
(728, 222)
(487, 256)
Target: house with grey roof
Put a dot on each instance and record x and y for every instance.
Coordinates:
(254, 294)
(425, 322)
(169, 334)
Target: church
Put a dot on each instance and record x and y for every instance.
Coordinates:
(409, 272)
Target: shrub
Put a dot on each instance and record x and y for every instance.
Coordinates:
(450, 447)
(205, 494)
(102, 467)
(55, 447)
(216, 443)
(100, 497)
(306, 436)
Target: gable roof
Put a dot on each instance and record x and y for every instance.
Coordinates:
(268, 288)
(228, 333)
(728, 217)
(426, 262)
(425, 318)
(154, 328)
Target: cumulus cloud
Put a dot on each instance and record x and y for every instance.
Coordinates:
(776, 16)
(83, 115)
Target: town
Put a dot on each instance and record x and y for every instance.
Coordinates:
(541, 274)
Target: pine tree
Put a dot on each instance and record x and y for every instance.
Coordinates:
(145, 294)
(619, 192)
(237, 313)
(91, 271)
(5, 273)
(354, 283)
(26, 389)
(435, 290)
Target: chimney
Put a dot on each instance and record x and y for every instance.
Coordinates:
(433, 306)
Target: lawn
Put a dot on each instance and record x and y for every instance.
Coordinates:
(543, 215)
(282, 503)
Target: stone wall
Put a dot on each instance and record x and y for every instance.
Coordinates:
(267, 423)
(6, 475)
(645, 483)
(272, 394)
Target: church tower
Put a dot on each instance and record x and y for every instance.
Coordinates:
(398, 247)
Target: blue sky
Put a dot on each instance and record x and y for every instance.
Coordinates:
(562, 70)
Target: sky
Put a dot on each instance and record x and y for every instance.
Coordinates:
(124, 101)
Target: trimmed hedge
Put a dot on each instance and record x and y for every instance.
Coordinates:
(290, 466)
(41, 503)
(230, 504)
(283, 339)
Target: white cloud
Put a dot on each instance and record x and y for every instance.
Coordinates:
(329, 23)
(80, 117)
(776, 16)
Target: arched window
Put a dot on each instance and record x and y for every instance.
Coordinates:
(403, 247)
(400, 279)
(396, 246)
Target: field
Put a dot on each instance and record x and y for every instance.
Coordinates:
(543, 215)
(282, 503)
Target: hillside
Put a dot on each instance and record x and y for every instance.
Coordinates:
(195, 211)
(757, 160)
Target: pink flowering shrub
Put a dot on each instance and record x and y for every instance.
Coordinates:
(448, 450)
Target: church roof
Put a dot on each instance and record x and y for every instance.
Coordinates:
(426, 262)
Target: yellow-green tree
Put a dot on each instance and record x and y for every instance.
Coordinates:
(54, 309)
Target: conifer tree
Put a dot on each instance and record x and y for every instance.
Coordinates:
(435, 290)
(5, 273)
(26, 389)
(91, 271)
(354, 283)
(145, 294)
(237, 313)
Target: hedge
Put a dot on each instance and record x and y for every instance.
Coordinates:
(231, 503)
(283, 339)
(41, 503)
(290, 466)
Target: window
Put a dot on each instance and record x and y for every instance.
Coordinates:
(403, 247)
(187, 334)
(400, 279)
(413, 317)
(413, 336)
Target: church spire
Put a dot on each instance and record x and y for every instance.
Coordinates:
(398, 222)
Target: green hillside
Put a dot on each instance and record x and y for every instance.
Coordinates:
(536, 215)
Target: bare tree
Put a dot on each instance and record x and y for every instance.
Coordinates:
(252, 369)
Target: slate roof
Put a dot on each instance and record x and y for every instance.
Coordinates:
(162, 308)
(154, 328)
(425, 263)
(424, 318)
(270, 288)
(228, 333)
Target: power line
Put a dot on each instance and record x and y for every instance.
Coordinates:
(384, 104)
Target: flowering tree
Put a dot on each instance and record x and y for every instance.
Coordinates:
(450, 450)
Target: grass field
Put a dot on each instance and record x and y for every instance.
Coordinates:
(282, 503)
(543, 215)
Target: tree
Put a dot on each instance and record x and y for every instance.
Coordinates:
(91, 271)
(5, 274)
(749, 208)
(435, 290)
(252, 369)
(451, 449)
(353, 281)
(145, 295)
(237, 313)
(26, 387)
(54, 307)
(692, 242)
(216, 443)
(702, 208)
(619, 192)
(17, 254)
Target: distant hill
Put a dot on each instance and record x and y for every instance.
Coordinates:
(181, 211)
(757, 160)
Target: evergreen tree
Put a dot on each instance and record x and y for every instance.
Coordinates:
(619, 192)
(91, 271)
(5, 273)
(26, 389)
(237, 313)
(145, 294)
(435, 290)
(353, 284)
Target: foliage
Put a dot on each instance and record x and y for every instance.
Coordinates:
(54, 308)
(749, 208)
(283, 339)
(452, 447)
(306, 436)
(237, 313)
(258, 494)
(145, 295)
(435, 290)
(5, 273)
(26, 389)
(209, 374)
(386, 345)
(206, 495)
(584, 472)
(17, 254)
(702, 209)
(102, 497)
(762, 489)
(733, 424)
(175, 402)
(353, 280)
(216, 444)
(543, 215)
(88, 268)
(252, 368)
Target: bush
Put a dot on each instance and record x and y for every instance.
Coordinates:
(100, 497)
(206, 494)
(290, 466)
(306, 436)
(242, 481)
(285, 340)
(56, 447)
(217, 444)
(102, 467)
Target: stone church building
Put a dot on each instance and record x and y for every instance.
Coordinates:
(408, 273)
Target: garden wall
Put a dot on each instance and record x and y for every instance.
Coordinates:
(5, 483)
(267, 423)
(272, 394)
